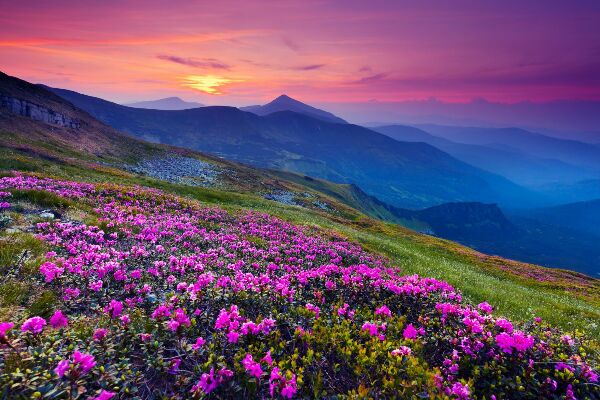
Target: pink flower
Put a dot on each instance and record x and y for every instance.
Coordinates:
(267, 358)
(505, 325)
(95, 286)
(371, 328)
(84, 361)
(114, 308)
(460, 391)
(173, 325)
(51, 271)
(104, 395)
(485, 307)
(209, 382)
(62, 367)
(504, 341)
(145, 337)
(517, 341)
(287, 386)
(522, 342)
(252, 367)
(199, 343)
(383, 310)
(232, 337)
(409, 332)
(402, 351)
(314, 309)
(5, 327)
(125, 319)
(34, 325)
(99, 334)
(59, 320)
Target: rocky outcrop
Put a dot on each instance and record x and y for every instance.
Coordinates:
(38, 113)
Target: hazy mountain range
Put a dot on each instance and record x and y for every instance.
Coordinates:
(568, 119)
(430, 178)
(524, 157)
(403, 174)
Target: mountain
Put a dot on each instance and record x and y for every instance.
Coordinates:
(168, 103)
(516, 165)
(572, 152)
(51, 138)
(568, 119)
(467, 222)
(35, 115)
(286, 103)
(528, 237)
(412, 175)
(561, 193)
(583, 216)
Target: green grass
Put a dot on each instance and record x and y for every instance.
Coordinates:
(513, 296)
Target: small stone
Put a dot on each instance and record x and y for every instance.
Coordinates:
(47, 214)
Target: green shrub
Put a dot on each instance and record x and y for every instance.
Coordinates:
(44, 305)
(41, 198)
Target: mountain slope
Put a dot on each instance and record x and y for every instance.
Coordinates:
(564, 298)
(168, 103)
(286, 103)
(571, 192)
(399, 173)
(40, 130)
(516, 165)
(582, 216)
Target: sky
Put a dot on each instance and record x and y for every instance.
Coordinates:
(248, 52)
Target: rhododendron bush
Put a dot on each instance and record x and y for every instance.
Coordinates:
(165, 298)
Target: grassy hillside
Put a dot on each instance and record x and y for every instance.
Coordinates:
(212, 293)
(517, 290)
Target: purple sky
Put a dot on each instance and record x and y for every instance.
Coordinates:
(245, 52)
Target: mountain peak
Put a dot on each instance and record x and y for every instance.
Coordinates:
(285, 99)
(287, 103)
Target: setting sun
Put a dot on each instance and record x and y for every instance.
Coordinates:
(210, 84)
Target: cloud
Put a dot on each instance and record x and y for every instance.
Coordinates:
(366, 68)
(193, 62)
(370, 79)
(309, 67)
(291, 44)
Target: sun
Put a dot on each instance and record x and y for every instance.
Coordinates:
(210, 84)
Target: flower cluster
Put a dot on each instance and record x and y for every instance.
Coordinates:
(161, 295)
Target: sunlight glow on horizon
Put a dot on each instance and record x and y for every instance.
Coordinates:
(210, 84)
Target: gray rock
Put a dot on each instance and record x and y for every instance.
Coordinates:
(283, 197)
(178, 169)
(37, 112)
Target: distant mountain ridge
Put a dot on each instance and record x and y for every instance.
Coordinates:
(569, 151)
(583, 216)
(412, 175)
(286, 103)
(168, 103)
(515, 164)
